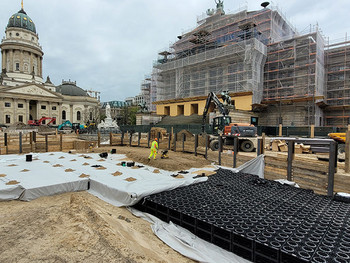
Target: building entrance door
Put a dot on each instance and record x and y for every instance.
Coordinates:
(33, 110)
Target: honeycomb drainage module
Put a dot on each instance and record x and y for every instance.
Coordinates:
(260, 220)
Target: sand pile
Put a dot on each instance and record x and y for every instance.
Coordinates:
(77, 228)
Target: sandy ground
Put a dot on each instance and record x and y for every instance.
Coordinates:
(79, 227)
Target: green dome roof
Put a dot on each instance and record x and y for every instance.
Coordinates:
(71, 89)
(21, 20)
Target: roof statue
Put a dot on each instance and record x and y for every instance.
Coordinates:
(22, 4)
(143, 107)
(226, 98)
(220, 6)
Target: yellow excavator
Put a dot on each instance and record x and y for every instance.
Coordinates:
(340, 138)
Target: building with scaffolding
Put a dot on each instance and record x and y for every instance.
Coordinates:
(271, 71)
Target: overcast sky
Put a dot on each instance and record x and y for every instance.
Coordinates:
(110, 45)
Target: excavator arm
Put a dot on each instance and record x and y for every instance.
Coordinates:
(219, 105)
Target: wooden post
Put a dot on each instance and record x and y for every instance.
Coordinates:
(169, 141)
(280, 130)
(46, 143)
(312, 131)
(130, 139)
(206, 146)
(20, 142)
(122, 139)
(139, 140)
(195, 144)
(235, 151)
(183, 142)
(99, 139)
(110, 139)
(34, 136)
(220, 148)
(6, 142)
(331, 167)
(290, 159)
(31, 141)
(61, 142)
(149, 138)
(263, 142)
(5, 139)
(258, 150)
(347, 152)
(175, 139)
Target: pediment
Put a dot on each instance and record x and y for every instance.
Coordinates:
(33, 90)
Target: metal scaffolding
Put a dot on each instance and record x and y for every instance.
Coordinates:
(224, 52)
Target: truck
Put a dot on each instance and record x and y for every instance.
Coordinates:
(340, 138)
(223, 125)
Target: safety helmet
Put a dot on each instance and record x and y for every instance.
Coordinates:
(156, 139)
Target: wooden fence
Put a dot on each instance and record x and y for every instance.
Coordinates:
(320, 176)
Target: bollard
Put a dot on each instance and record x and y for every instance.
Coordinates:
(175, 139)
(99, 139)
(169, 141)
(46, 143)
(110, 139)
(139, 139)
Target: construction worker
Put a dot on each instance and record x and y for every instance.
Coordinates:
(154, 149)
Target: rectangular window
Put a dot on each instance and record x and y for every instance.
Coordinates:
(17, 66)
(43, 122)
(20, 105)
(90, 115)
(43, 107)
(7, 104)
(20, 118)
(8, 119)
(54, 108)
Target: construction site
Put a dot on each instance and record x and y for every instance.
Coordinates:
(210, 182)
(272, 71)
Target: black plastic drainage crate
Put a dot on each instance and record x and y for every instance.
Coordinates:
(260, 220)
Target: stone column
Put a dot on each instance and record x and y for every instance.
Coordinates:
(11, 61)
(14, 110)
(31, 63)
(21, 63)
(41, 67)
(2, 120)
(38, 110)
(71, 113)
(3, 53)
(26, 119)
(59, 118)
(50, 108)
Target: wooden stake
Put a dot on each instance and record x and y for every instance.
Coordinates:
(347, 152)
(312, 131)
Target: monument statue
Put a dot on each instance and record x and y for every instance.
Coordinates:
(108, 124)
(108, 111)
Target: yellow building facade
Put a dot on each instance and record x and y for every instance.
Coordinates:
(195, 105)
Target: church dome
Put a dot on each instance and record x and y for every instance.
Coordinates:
(71, 89)
(21, 20)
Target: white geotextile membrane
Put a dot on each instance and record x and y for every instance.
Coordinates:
(186, 243)
(254, 166)
(37, 178)
(41, 178)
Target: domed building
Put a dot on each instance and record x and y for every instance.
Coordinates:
(24, 95)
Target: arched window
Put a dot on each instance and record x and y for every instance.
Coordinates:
(78, 115)
(63, 115)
